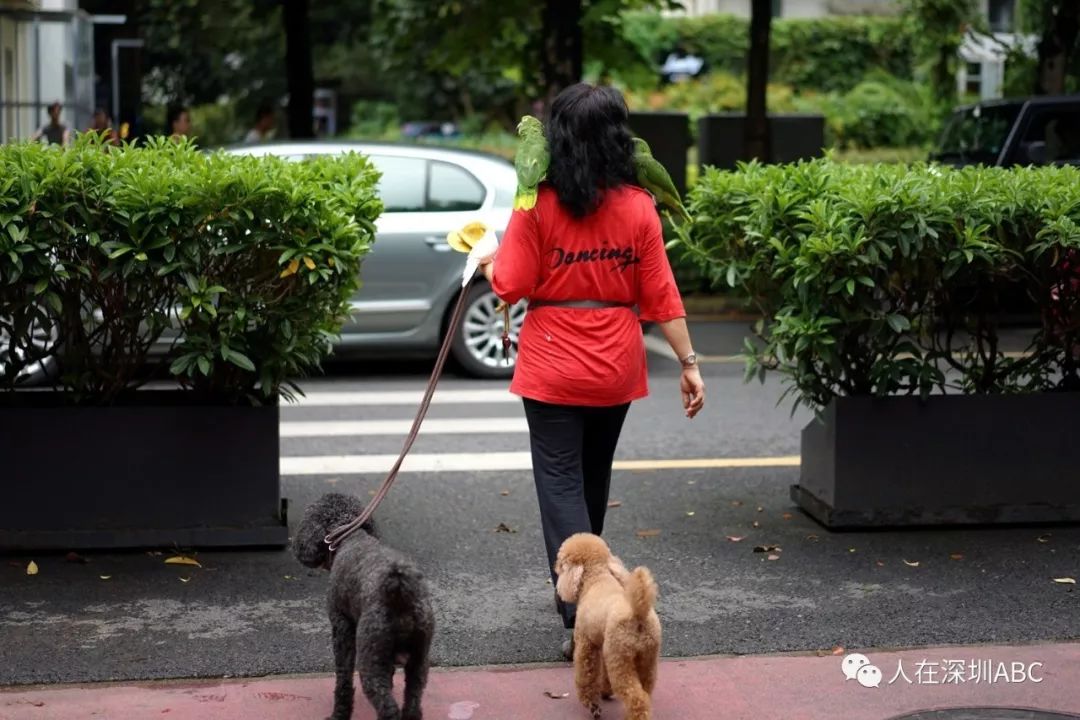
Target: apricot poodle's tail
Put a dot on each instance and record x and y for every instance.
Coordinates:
(640, 590)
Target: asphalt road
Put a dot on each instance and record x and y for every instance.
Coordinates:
(255, 613)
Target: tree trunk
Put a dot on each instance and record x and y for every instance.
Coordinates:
(561, 60)
(756, 144)
(298, 68)
(1057, 45)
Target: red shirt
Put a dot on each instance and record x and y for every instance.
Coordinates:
(579, 356)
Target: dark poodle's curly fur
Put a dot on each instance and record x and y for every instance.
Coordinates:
(380, 610)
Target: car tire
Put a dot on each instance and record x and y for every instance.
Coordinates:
(477, 343)
(35, 372)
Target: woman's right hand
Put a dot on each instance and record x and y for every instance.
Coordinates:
(692, 388)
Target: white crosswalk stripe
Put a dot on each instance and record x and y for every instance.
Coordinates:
(431, 426)
(317, 435)
(403, 397)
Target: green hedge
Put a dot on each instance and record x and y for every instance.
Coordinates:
(253, 260)
(881, 280)
(824, 54)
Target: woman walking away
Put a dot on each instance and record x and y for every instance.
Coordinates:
(588, 252)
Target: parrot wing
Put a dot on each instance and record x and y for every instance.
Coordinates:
(653, 177)
(531, 165)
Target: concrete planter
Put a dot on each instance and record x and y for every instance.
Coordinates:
(951, 460)
(794, 137)
(159, 469)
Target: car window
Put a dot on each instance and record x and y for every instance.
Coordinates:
(401, 186)
(977, 133)
(1051, 136)
(453, 189)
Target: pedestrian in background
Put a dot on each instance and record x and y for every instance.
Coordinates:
(590, 250)
(103, 125)
(178, 122)
(263, 129)
(54, 132)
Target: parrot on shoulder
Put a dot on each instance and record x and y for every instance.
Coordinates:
(530, 162)
(652, 176)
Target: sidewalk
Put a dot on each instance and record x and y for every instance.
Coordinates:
(762, 687)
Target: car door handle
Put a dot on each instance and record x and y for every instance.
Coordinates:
(437, 243)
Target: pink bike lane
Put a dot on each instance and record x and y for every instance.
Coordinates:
(1042, 677)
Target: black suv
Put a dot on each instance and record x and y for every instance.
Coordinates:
(1033, 131)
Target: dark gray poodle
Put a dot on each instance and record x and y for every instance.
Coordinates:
(380, 610)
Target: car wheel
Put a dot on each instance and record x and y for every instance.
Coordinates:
(477, 345)
(42, 344)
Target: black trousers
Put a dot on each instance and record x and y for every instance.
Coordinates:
(572, 450)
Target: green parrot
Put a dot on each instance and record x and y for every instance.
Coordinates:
(530, 162)
(652, 176)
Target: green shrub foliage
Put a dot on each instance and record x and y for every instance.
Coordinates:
(243, 265)
(888, 279)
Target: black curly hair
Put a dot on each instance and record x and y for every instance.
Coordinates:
(590, 144)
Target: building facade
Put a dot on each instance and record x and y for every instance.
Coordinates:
(46, 56)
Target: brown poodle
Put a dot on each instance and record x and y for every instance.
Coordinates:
(617, 632)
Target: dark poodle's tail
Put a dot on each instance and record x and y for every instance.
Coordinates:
(403, 589)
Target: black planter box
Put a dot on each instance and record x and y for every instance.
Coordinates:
(668, 135)
(951, 460)
(793, 137)
(158, 469)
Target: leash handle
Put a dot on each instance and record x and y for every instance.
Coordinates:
(340, 533)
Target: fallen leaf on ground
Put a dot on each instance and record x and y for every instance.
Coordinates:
(838, 650)
(504, 528)
(548, 581)
(880, 564)
(1043, 538)
(185, 579)
(691, 482)
(760, 509)
(851, 550)
(614, 503)
(812, 538)
(289, 577)
(105, 577)
(182, 560)
(556, 696)
(766, 548)
(74, 557)
(787, 516)
(736, 538)
(504, 493)
(1065, 580)
(32, 568)
(755, 524)
(911, 563)
(648, 533)
(690, 513)
(773, 557)
(736, 503)
(956, 556)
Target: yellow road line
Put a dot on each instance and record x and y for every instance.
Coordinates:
(697, 463)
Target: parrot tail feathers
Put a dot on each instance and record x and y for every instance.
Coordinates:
(525, 200)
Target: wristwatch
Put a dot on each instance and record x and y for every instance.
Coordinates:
(689, 361)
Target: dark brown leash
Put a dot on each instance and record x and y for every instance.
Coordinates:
(336, 536)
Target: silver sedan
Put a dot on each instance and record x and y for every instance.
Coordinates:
(411, 278)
